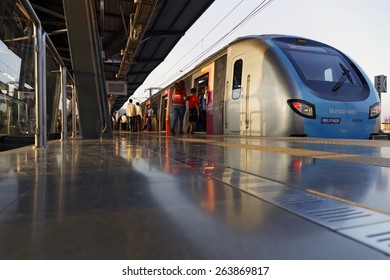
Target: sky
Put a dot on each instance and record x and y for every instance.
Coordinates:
(358, 28)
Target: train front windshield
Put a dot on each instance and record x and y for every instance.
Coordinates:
(329, 73)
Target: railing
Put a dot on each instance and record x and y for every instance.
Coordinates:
(26, 52)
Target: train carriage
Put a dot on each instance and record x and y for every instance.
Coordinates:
(277, 85)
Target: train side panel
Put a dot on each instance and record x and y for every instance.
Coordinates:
(218, 94)
(258, 106)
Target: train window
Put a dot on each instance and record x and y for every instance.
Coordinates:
(322, 73)
(313, 66)
(326, 71)
(237, 79)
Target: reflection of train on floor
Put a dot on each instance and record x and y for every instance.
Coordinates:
(273, 85)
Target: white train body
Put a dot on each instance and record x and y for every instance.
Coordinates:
(275, 85)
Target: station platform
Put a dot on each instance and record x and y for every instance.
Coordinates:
(192, 197)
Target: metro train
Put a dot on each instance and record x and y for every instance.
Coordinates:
(279, 85)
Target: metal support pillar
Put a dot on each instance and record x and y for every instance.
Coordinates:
(88, 71)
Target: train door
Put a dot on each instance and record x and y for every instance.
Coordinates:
(156, 117)
(218, 94)
(200, 83)
(234, 96)
(164, 120)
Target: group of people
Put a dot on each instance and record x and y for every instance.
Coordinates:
(196, 106)
(133, 119)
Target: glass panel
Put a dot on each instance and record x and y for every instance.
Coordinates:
(321, 67)
(17, 78)
(237, 79)
(53, 93)
(328, 73)
(314, 65)
(321, 72)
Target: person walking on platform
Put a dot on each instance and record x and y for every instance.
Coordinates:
(193, 108)
(138, 117)
(179, 99)
(131, 114)
(114, 120)
(124, 123)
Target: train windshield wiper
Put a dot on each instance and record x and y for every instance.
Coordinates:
(342, 79)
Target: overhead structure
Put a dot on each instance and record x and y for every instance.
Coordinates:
(132, 38)
(170, 21)
(138, 23)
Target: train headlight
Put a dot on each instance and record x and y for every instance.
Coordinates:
(375, 111)
(302, 108)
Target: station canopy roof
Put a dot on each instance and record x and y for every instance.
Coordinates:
(168, 22)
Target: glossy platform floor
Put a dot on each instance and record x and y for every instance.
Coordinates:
(148, 196)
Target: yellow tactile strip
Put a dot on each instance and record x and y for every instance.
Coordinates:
(341, 142)
(282, 150)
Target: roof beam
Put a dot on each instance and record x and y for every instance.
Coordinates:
(47, 11)
(138, 23)
(163, 33)
(148, 60)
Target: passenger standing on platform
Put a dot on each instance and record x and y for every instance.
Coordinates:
(148, 120)
(193, 108)
(113, 120)
(206, 94)
(131, 115)
(138, 121)
(124, 123)
(117, 118)
(203, 109)
(179, 99)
